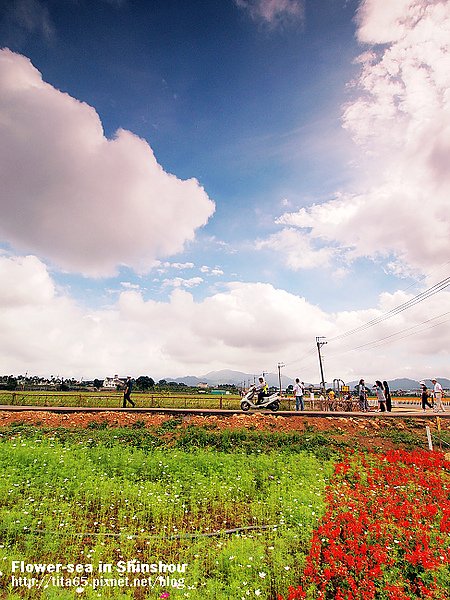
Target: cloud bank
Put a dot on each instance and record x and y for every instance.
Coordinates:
(247, 327)
(400, 118)
(76, 198)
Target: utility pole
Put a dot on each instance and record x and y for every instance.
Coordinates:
(319, 346)
(279, 375)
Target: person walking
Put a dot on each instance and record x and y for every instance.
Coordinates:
(362, 394)
(299, 391)
(380, 395)
(387, 395)
(127, 393)
(425, 395)
(438, 394)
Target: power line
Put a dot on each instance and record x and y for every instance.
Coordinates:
(308, 358)
(376, 343)
(425, 276)
(299, 360)
(438, 287)
(407, 329)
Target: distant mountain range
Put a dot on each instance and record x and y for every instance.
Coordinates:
(227, 376)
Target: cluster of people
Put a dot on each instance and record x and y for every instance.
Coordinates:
(382, 392)
(430, 399)
(436, 395)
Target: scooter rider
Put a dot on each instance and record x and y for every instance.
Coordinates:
(263, 389)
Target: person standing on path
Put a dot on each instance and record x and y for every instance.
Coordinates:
(425, 396)
(362, 394)
(438, 393)
(387, 394)
(299, 390)
(380, 395)
(127, 393)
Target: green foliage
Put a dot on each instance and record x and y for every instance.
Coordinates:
(406, 439)
(144, 383)
(249, 442)
(102, 495)
(169, 425)
(97, 425)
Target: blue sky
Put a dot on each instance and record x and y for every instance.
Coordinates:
(289, 173)
(234, 103)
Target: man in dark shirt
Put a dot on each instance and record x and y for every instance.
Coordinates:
(127, 393)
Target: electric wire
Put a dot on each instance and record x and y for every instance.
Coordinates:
(299, 360)
(406, 329)
(425, 276)
(438, 287)
(376, 343)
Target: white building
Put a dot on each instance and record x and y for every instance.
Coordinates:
(112, 382)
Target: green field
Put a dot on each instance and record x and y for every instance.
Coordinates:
(96, 498)
(113, 399)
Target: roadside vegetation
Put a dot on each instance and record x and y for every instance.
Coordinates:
(241, 521)
(239, 505)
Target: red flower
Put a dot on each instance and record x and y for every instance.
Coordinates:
(383, 511)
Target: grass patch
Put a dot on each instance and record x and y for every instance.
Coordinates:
(250, 441)
(110, 495)
(97, 425)
(405, 439)
(168, 426)
(171, 435)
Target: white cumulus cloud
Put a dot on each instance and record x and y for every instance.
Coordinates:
(180, 282)
(247, 327)
(297, 249)
(400, 118)
(76, 198)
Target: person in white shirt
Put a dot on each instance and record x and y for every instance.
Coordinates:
(262, 388)
(299, 390)
(438, 393)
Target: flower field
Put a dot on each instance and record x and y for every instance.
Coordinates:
(241, 523)
(250, 513)
(385, 533)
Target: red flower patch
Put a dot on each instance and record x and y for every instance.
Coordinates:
(384, 535)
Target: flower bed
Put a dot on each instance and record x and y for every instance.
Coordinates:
(385, 534)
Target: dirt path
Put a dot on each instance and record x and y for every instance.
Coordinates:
(380, 433)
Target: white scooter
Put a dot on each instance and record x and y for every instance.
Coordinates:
(250, 400)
